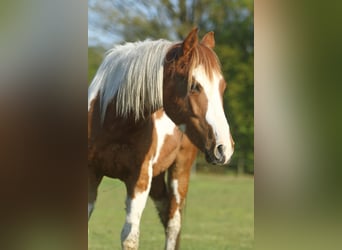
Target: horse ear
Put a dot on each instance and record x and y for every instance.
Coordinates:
(209, 40)
(190, 41)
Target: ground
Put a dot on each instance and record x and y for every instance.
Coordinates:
(219, 214)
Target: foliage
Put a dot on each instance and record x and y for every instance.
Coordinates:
(232, 22)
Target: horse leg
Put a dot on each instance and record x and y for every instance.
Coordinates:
(169, 214)
(137, 194)
(93, 182)
(160, 197)
(178, 189)
(178, 181)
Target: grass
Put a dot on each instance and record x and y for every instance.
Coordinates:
(219, 214)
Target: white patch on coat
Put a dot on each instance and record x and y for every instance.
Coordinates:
(174, 185)
(164, 126)
(174, 224)
(134, 210)
(215, 115)
(173, 229)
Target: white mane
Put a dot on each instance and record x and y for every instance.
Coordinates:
(133, 73)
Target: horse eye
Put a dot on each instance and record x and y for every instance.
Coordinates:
(195, 88)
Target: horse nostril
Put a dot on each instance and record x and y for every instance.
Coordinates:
(219, 151)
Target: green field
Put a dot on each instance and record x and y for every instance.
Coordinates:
(219, 214)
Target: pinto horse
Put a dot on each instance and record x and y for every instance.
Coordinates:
(150, 106)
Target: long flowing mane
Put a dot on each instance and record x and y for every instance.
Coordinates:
(133, 73)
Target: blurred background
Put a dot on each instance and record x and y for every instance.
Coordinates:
(115, 22)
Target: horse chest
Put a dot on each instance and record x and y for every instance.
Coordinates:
(166, 154)
(167, 138)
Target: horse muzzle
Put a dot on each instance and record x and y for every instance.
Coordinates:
(217, 156)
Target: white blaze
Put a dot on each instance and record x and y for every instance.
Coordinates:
(215, 114)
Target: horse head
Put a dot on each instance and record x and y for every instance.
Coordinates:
(193, 96)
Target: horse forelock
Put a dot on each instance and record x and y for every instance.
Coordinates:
(132, 74)
(206, 57)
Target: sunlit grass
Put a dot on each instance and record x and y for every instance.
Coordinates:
(219, 214)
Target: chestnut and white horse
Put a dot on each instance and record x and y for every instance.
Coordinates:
(150, 106)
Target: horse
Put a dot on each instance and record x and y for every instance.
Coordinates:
(151, 106)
